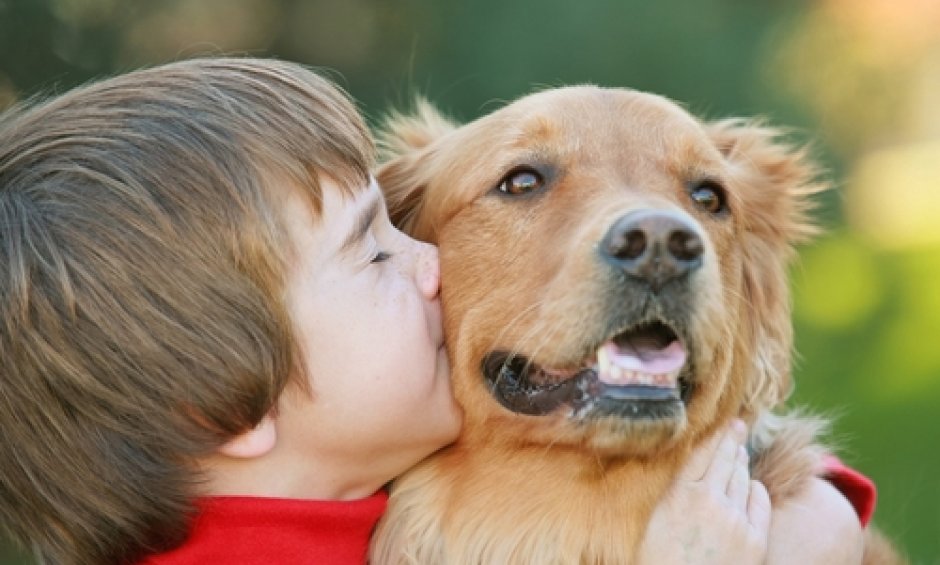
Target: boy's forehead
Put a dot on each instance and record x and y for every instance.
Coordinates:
(355, 197)
(363, 208)
(319, 191)
(345, 215)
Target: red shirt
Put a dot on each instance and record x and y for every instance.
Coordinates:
(243, 530)
(261, 531)
(859, 489)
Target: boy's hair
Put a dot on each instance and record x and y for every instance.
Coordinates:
(142, 258)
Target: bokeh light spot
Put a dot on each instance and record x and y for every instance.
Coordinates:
(837, 284)
(894, 197)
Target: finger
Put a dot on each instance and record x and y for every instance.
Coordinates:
(701, 457)
(723, 463)
(759, 508)
(739, 429)
(739, 485)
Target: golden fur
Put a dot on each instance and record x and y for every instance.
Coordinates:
(521, 273)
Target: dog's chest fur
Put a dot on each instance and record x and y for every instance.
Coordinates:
(510, 507)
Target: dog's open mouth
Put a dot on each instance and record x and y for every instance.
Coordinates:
(639, 373)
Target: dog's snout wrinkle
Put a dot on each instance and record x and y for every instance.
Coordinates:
(654, 246)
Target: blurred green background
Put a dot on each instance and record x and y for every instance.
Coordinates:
(858, 78)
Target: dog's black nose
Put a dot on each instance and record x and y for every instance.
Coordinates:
(655, 246)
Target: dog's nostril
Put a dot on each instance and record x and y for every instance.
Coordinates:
(627, 245)
(685, 245)
(636, 244)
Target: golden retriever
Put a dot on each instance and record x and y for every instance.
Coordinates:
(614, 284)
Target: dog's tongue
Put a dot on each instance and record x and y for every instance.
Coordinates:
(645, 357)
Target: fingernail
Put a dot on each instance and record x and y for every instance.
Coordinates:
(740, 429)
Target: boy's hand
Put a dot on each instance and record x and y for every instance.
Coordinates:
(714, 513)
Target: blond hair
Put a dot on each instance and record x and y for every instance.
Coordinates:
(141, 278)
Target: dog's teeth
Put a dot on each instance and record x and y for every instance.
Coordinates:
(617, 374)
(603, 361)
(611, 373)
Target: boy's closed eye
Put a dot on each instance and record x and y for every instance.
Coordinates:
(363, 224)
(381, 256)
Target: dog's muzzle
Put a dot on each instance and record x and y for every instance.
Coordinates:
(643, 369)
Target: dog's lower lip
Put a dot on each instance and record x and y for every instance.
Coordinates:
(506, 376)
(641, 393)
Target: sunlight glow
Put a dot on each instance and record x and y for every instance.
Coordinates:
(837, 284)
(894, 197)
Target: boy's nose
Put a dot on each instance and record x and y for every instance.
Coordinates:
(428, 271)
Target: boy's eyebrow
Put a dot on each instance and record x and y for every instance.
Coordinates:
(363, 222)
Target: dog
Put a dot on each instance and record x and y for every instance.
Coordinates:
(614, 285)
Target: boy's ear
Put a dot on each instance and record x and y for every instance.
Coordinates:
(256, 442)
(408, 160)
(773, 183)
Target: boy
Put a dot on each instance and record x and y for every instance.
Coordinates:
(215, 348)
(156, 316)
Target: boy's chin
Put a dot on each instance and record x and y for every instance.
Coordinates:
(445, 423)
(442, 370)
(443, 361)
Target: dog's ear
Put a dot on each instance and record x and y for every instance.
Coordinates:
(772, 184)
(407, 155)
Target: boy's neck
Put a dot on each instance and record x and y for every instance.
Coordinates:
(271, 478)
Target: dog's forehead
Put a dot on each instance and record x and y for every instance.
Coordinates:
(590, 124)
(582, 117)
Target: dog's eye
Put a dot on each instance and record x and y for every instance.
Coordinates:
(521, 181)
(709, 196)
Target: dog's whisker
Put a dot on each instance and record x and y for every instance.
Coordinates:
(511, 322)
